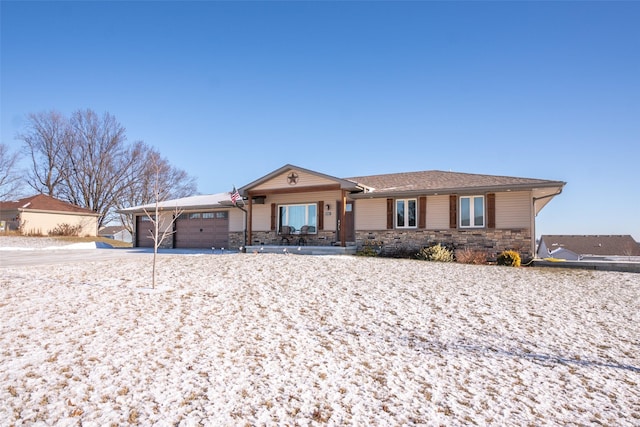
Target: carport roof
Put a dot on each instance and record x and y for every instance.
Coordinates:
(202, 201)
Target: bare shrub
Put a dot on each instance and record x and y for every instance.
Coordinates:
(470, 256)
(436, 253)
(66, 230)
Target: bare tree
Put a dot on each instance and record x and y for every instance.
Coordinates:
(10, 179)
(99, 160)
(45, 139)
(87, 161)
(149, 170)
(159, 221)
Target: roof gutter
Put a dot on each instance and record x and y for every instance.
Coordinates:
(48, 211)
(547, 196)
(456, 190)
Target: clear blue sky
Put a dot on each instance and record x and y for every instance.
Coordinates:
(230, 91)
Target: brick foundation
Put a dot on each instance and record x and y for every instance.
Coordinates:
(322, 238)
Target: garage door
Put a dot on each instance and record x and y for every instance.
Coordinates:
(144, 230)
(203, 230)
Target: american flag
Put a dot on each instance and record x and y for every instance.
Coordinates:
(235, 196)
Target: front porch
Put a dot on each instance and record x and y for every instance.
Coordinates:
(302, 250)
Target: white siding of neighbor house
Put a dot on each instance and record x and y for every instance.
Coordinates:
(305, 179)
(44, 222)
(370, 214)
(437, 212)
(513, 209)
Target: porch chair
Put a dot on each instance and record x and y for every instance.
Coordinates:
(305, 230)
(286, 234)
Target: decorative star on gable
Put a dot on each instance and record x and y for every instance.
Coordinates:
(292, 178)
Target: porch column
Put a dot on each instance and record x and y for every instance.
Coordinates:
(249, 219)
(343, 217)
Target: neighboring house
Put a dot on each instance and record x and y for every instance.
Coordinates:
(115, 232)
(576, 247)
(398, 213)
(42, 215)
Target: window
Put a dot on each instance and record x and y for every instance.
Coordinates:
(406, 213)
(472, 211)
(298, 215)
(203, 215)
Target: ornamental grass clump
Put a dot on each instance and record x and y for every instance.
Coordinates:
(436, 253)
(509, 258)
(469, 256)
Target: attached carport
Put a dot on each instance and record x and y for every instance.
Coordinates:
(202, 222)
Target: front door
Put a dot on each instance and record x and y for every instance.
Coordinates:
(348, 222)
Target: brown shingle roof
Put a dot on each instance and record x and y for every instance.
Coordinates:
(43, 202)
(430, 181)
(622, 245)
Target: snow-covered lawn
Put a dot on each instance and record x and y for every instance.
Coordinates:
(245, 339)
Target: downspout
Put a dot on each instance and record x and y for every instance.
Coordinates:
(244, 234)
(533, 218)
(245, 224)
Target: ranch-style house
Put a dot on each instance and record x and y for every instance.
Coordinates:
(390, 213)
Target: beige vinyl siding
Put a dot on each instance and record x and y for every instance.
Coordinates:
(261, 217)
(513, 209)
(438, 212)
(330, 197)
(44, 222)
(371, 214)
(304, 180)
(236, 220)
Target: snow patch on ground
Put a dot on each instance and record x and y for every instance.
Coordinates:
(16, 243)
(304, 340)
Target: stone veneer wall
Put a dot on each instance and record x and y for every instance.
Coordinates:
(491, 241)
(236, 239)
(322, 238)
(167, 243)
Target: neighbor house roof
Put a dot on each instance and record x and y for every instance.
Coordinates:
(42, 202)
(203, 201)
(112, 229)
(622, 245)
(435, 181)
